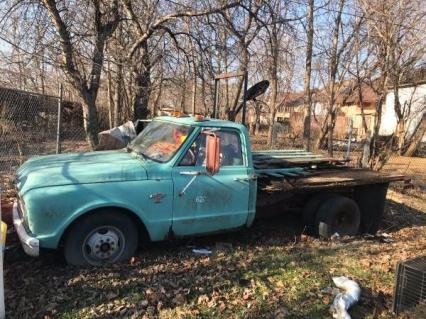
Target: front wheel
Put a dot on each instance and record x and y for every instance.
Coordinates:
(101, 238)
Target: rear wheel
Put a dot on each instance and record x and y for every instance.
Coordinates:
(339, 215)
(310, 211)
(101, 238)
(371, 201)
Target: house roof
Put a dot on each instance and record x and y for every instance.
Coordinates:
(291, 99)
(350, 95)
(347, 95)
(413, 78)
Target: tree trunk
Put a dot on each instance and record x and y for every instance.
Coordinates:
(323, 134)
(90, 119)
(272, 107)
(366, 151)
(366, 143)
(142, 92)
(257, 113)
(334, 62)
(400, 127)
(370, 156)
(183, 96)
(331, 126)
(374, 149)
(118, 105)
(158, 97)
(194, 93)
(203, 93)
(110, 98)
(307, 80)
(244, 65)
(251, 128)
(143, 87)
(399, 135)
(417, 137)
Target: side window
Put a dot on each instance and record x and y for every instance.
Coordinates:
(230, 150)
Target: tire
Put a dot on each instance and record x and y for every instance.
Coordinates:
(340, 215)
(101, 238)
(371, 201)
(310, 211)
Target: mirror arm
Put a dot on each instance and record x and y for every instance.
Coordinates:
(194, 175)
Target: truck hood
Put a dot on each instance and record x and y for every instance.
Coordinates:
(79, 168)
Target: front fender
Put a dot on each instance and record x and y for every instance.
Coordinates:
(51, 210)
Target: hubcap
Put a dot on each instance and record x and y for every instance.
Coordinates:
(103, 244)
(341, 223)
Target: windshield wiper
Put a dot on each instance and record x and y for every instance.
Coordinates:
(131, 149)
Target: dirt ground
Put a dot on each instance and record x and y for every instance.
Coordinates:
(270, 271)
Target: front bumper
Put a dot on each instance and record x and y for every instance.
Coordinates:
(29, 244)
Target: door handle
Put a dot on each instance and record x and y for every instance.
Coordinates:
(192, 173)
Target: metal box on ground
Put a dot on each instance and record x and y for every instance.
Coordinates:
(410, 284)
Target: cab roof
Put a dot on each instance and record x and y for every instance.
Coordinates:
(207, 122)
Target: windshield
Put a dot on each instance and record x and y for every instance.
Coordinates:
(159, 141)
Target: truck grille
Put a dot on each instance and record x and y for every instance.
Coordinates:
(410, 284)
(21, 208)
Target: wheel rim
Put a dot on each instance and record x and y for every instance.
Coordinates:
(103, 245)
(343, 222)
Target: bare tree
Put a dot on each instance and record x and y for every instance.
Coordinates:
(153, 21)
(307, 97)
(242, 26)
(85, 75)
(336, 58)
(279, 58)
(392, 33)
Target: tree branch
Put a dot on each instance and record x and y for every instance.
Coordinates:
(144, 35)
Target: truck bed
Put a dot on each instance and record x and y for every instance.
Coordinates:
(284, 173)
(279, 159)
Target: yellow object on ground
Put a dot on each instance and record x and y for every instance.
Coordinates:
(3, 234)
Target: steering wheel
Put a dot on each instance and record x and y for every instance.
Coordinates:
(189, 158)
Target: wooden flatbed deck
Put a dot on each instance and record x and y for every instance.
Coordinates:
(330, 178)
(291, 158)
(282, 174)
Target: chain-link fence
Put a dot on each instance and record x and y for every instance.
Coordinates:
(72, 136)
(29, 126)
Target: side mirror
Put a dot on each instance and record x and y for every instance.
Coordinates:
(212, 153)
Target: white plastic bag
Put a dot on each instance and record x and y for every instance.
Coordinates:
(117, 137)
(344, 300)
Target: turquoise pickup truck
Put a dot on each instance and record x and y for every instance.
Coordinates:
(184, 176)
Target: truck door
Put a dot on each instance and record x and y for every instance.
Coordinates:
(203, 203)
